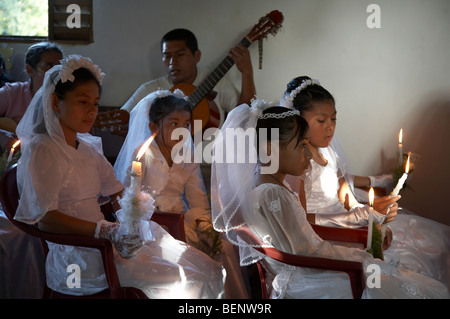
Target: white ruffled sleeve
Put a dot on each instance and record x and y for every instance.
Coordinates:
(281, 221)
(39, 189)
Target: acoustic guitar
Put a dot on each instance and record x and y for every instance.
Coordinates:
(198, 96)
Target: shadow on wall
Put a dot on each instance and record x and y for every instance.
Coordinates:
(429, 136)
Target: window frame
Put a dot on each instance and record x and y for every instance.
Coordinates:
(71, 36)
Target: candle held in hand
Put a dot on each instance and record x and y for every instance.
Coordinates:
(402, 179)
(11, 152)
(136, 168)
(370, 225)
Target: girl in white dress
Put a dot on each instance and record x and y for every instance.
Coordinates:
(418, 244)
(246, 195)
(171, 174)
(61, 174)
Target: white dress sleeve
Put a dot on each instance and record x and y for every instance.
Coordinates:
(283, 223)
(39, 190)
(195, 193)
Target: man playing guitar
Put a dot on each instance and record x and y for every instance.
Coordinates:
(180, 55)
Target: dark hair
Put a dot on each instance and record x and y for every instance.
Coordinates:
(181, 35)
(289, 126)
(34, 53)
(312, 93)
(161, 107)
(82, 76)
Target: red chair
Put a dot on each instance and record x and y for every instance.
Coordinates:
(173, 223)
(9, 197)
(353, 268)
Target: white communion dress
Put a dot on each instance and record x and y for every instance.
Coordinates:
(164, 268)
(180, 189)
(419, 244)
(279, 219)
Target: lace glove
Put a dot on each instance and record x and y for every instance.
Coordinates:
(357, 217)
(126, 246)
(385, 180)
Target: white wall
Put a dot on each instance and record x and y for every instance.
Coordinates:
(383, 79)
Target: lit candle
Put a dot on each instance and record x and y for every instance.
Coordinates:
(402, 180)
(136, 166)
(370, 226)
(400, 147)
(11, 152)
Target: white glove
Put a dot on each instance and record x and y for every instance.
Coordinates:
(126, 246)
(385, 180)
(357, 217)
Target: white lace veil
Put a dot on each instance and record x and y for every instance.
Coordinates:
(38, 180)
(139, 132)
(232, 180)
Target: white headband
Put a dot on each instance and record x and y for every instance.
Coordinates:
(289, 101)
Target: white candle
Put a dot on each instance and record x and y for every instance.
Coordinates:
(402, 179)
(400, 147)
(370, 226)
(136, 168)
(11, 152)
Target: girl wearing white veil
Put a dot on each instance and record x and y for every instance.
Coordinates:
(254, 208)
(173, 177)
(61, 174)
(418, 244)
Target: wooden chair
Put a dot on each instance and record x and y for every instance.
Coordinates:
(352, 268)
(9, 197)
(7, 139)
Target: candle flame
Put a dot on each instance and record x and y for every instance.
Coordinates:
(15, 145)
(407, 163)
(400, 136)
(371, 196)
(145, 146)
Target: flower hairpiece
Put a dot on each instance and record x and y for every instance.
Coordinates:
(75, 62)
(289, 101)
(164, 93)
(258, 106)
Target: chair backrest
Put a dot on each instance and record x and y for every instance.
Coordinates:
(174, 224)
(9, 196)
(353, 268)
(7, 139)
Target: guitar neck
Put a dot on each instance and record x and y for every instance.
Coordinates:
(214, 77)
